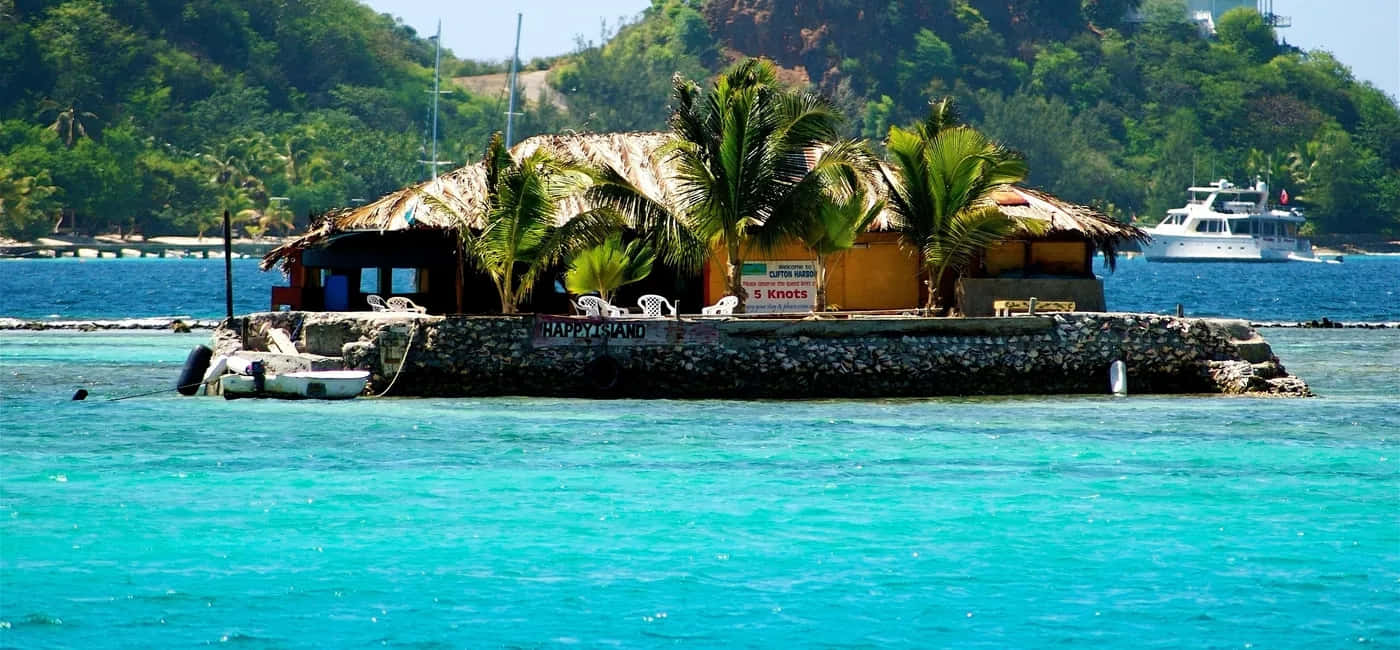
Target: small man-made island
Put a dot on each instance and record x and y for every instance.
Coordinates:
(768, 358)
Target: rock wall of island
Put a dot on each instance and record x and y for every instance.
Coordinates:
(776, 358)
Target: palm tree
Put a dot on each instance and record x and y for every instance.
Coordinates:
(68, 120)
(1301, 163)
(26, 204)
(608, 266)
(939, 192)
(650, 218)
(834, 225)
(258, 221)
(741, 155)
(236, 201)
(298, 162)
(515, 235)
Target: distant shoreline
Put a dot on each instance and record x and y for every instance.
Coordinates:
(114, 246)
(177, 324)
(1355, 244)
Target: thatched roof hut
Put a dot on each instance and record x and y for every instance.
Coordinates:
(462, 191)
(641, 159)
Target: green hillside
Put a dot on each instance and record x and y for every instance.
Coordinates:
(154, 115)
(1121, 113)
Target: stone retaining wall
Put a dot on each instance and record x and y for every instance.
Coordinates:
(776, 358)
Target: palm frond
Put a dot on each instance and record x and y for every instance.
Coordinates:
(609, 265)
(940, 190)
(656, 222)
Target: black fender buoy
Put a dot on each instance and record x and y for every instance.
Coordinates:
(193, 373)
(603, 373)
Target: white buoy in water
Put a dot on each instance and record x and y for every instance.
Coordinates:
(1118, 377)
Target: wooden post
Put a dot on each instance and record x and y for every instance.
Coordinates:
(385, 280)
(461, 273)
(228, 266)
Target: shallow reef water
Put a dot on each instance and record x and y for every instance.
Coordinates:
(1197, 521)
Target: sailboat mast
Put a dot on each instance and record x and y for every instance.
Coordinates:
(437, 64)
(514, 61)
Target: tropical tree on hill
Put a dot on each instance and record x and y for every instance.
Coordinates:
(296, 158)
(515, 236)
(27, 207)
(261, 221)
(608, 266)
(69, 121)
(940, 188)
(743, 155)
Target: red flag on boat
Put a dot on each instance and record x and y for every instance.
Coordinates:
(1283, 197)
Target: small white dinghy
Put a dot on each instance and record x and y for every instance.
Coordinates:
(311, 384)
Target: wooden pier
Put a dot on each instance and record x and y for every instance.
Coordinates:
(207, 248)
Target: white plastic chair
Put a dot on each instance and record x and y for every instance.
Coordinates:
(597, 307)
(400, 303)
(725, 306)
(589, 308)
(651, 305)
(376, 303)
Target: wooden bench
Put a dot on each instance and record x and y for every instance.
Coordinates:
(1008, 307)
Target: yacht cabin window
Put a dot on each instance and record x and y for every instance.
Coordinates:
(1209, 225)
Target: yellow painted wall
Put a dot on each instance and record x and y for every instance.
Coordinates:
(1058, 257)
(1008, 256)
(876, 274)
(1046, 258)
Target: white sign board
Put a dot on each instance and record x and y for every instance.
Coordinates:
(780, 286)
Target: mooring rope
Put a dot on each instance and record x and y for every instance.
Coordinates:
(413, 329)
(154, 392)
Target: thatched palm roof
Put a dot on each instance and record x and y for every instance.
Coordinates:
(439, 202)
(1063, 216)
(641, 159)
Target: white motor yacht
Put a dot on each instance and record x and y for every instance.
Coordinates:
(1225, 223)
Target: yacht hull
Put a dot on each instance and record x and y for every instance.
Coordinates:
(1185, 248)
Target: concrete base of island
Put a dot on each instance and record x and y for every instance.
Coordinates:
(751, 358)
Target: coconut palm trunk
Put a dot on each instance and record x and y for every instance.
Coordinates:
(820, 263)
(734, 274)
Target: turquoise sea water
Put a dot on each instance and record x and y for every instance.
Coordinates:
(1026, 522)
(1001, 523)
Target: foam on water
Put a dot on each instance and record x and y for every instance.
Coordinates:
(1161, 521)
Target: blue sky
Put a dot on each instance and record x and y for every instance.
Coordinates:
(1364, 34)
